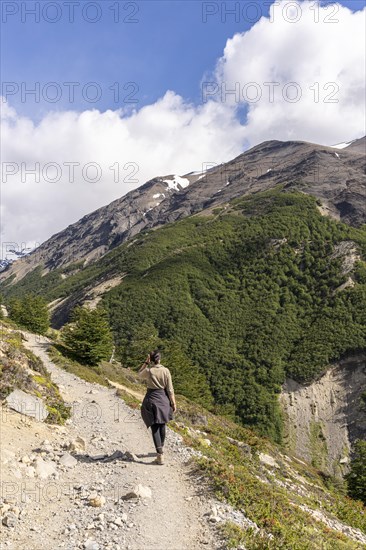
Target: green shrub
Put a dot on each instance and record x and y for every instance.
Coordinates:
(356, 478)
(88, 336)
(30, 312)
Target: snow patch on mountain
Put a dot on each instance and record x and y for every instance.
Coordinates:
(177, 183)
(342, 145)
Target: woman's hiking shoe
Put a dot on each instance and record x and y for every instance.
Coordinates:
(159, 459)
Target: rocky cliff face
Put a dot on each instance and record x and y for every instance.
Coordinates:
(336, 176)
(324, 418)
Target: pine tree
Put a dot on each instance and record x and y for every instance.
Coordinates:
(15, 310)
(30, 312)
(89, 335)
(356, 478)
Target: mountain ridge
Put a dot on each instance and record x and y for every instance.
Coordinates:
(335, 176)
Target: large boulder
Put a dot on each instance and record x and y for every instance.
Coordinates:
(27, 404)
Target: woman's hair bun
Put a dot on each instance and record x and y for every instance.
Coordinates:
(155, 355)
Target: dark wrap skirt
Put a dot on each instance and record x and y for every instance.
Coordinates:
(156, 408)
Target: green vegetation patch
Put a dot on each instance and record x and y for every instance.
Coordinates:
(318, 445)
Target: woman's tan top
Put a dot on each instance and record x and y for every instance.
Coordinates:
(157, 377)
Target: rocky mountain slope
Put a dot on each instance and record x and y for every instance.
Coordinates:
(335, 176)
(96, 233)
(325, 418)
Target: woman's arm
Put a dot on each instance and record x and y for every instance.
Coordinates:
(172, 401)
(145, 364)
(170, 390)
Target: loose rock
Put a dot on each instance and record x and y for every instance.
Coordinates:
(68, 460)
(10, 520)
(97, 501)
(138, 492)
(91, 545)
(44, 469)
(76, 445)
(268, 460)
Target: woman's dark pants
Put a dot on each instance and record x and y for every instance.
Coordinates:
(158, 433)
(156, 411)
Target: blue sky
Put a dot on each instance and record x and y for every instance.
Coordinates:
(170, 46)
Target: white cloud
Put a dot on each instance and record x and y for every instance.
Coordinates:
(172, 136)
(305, 44)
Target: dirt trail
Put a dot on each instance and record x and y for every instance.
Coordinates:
(173, 519)
(118, 386)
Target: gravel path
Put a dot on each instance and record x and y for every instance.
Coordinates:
(175, 517)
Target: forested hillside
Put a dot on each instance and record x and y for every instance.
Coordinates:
(238, 298)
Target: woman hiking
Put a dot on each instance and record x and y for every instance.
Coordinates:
(159, 401)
